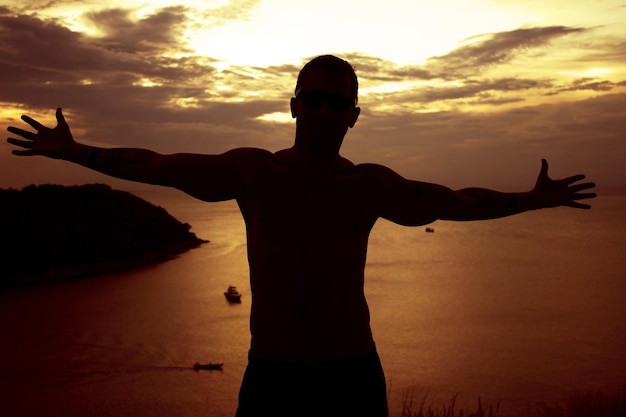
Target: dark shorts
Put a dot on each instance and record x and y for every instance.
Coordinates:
(346, 387)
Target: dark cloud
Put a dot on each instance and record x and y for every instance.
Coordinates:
(30, 42)
(495, 91)
(591, 84)
(39, 52)
(483, 51)
(377, 69)
(476, 87)
(40, 56)
(154, 34)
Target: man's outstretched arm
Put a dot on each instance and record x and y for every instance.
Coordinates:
(417, 203)
(208, 177)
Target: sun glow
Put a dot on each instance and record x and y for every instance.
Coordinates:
(276, 117)
(591, 72)
(292, 31)
(390, 87)
(185, 102)
(147, 82)
(277, 32)
(74, 20)
(11, 111)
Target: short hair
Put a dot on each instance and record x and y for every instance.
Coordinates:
(330, 62)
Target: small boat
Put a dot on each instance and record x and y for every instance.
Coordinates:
(208, 366)
(232, 294)
(430, 230)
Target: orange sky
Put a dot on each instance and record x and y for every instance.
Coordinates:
(463, 93)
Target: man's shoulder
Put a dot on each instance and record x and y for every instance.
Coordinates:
(249, 153)
(376, 170)
(248, 158)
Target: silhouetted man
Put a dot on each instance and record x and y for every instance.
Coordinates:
(308, 214)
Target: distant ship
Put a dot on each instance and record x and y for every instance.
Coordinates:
(232, 294)
(430, 230)
(208, 366)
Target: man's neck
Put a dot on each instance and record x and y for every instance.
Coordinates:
(311, 165)
(314, 158)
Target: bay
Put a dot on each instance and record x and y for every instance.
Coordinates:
(526, 309)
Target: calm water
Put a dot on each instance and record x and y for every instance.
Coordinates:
(528, 309)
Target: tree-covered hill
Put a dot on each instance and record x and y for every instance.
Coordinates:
(55, 232)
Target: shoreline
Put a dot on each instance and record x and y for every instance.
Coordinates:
(97, 269)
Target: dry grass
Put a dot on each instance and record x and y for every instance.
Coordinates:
(596, 404)
(427, 408)
(592, 404)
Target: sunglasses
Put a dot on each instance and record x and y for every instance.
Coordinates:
(314, 99)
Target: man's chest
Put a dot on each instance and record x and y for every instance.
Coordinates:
(292, 206)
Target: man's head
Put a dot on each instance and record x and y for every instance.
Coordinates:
(324, 104)
(330, 63)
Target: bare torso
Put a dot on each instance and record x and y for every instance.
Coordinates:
(307, 236)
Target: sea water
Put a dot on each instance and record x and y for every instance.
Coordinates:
(528, 309)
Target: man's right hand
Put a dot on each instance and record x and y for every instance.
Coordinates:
(55, 143)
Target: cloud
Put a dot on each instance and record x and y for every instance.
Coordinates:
(41, 57)
(460, 149)
(101, 84)
(43, 54)
(486, 50)
(591, 84)
(135, 84)
(482, 71)
(376, 69)
(234, 10)
(481, 88)
(113, 69)
(31, 43)
(152, 35)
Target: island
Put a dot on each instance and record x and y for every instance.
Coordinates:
(54, 232)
